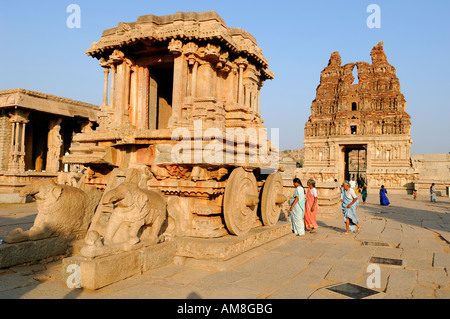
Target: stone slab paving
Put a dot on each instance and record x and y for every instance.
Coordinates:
(16, 215)
(416, 232)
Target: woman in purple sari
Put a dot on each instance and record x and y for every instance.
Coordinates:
(383, 197)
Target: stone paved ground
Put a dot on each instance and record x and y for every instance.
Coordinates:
(416, 232)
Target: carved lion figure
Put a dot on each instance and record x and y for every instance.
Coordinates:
(62, 211)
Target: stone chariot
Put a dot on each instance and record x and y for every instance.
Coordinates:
(181, 115)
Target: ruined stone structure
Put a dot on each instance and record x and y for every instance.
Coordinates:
(359, 129)
(35, 129)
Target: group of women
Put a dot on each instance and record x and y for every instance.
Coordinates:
(304, 206)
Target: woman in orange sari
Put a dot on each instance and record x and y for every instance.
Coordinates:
(311, 207)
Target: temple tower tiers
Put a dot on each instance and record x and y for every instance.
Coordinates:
(359, 128)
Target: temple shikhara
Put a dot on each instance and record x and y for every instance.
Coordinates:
(359, 128)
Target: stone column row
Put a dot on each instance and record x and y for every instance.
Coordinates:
(248, 91)
(127, 76)
(120, 68)
(17, 152)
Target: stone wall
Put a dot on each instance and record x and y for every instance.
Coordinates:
(432, 168)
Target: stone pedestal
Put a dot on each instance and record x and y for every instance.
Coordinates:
(329, 200)
(223, 253)
(96, 273)
(217, 254)
(34, 251)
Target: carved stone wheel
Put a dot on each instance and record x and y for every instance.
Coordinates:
(272, 199)
(240, 202)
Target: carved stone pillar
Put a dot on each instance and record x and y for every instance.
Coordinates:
(141, 102)
(179, 78)
(5, 139)
(113, 86)
(247, 96)
(126, 95)
(258, 110)
(152, 102)
(241, 84)
(145, 96)
(121, 87)
(120, 92)
(18, 119)
(194, 80)
(242, 64)
(105, 88)
(13, 165)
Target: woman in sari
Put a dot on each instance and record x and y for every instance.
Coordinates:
(364, 193)
(349, 203)
(311, 206)
(297, 209)
(433, 193)
(383, 197)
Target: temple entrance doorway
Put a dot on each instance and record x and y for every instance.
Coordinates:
(355, 163)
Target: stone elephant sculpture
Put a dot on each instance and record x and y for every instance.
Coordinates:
(135, 210)
(68, 178)
(62, 211)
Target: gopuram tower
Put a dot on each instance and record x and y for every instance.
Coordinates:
(359, 130)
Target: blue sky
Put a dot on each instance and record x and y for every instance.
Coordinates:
(39, 52)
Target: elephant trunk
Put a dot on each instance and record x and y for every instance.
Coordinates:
(112, 197)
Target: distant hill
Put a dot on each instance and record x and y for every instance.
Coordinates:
(297, 155)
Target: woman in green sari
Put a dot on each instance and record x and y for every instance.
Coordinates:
(364, 193)
(297, 209)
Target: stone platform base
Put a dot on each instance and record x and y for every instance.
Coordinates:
(96, 273)
(35, 251)
(14, 198)
(220, 254)
(329, 212)
(217, 253)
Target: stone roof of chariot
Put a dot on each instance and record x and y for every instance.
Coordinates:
(185, 26)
